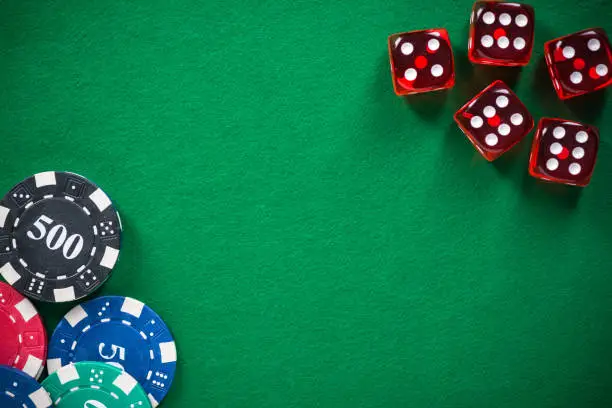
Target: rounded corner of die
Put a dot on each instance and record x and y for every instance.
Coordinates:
(595, 130)
(471, 57)
(491, 157)
(497, 82)
(399, 90)
(582, 183)
(443, 32)
(529, 9)
(523, 62)
(391, 40)
(564, 96)
(450, 83)
(533, 172)
(549, 48)
(599, 30)
(456, 118)
(603, 85)
(543, 120)
(477, 4)
(399, 93)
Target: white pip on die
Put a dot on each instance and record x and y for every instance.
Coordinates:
(564, 152)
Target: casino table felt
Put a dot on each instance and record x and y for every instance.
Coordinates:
(311, 239)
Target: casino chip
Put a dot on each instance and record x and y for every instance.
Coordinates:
(59, 237)
(19, 390)
(123, 332)
(23, 339)
(94, 385)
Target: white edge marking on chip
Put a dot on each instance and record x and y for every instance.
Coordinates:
(64, 294)
(32, 366)
(153, 401)
(9, 273)
(26, 309)
(45, 179)
(132, 307)
(168, 352)
(125, 383)
(76, 315)
(109, 258)
(100, 199)
(54, 364)
(67, 374)
(4, 212)
(40, 398)
(120, 222)
(39, 373)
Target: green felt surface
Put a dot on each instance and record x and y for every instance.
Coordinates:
(312, 239)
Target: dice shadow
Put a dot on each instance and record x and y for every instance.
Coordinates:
(473, 78)
(514, 162)
(541, 84)
(543, 87)
(428, 105)
(467, 84)
(514, 165)
(588, 108)
(599, 186)
(549, 193)
(490, 73)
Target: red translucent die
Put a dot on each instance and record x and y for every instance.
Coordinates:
(494, 120)
(421, 61)
(579, 63)
(564, 152)
(501, 33)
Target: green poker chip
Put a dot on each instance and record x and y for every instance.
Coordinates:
(94, 385)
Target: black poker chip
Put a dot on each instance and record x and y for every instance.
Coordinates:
(60, 237)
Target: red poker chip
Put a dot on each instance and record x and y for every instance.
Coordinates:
(23, 339)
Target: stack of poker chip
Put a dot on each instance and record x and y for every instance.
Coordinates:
(60, 237)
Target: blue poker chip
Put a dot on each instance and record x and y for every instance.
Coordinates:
(19, 390)
(120, 331)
